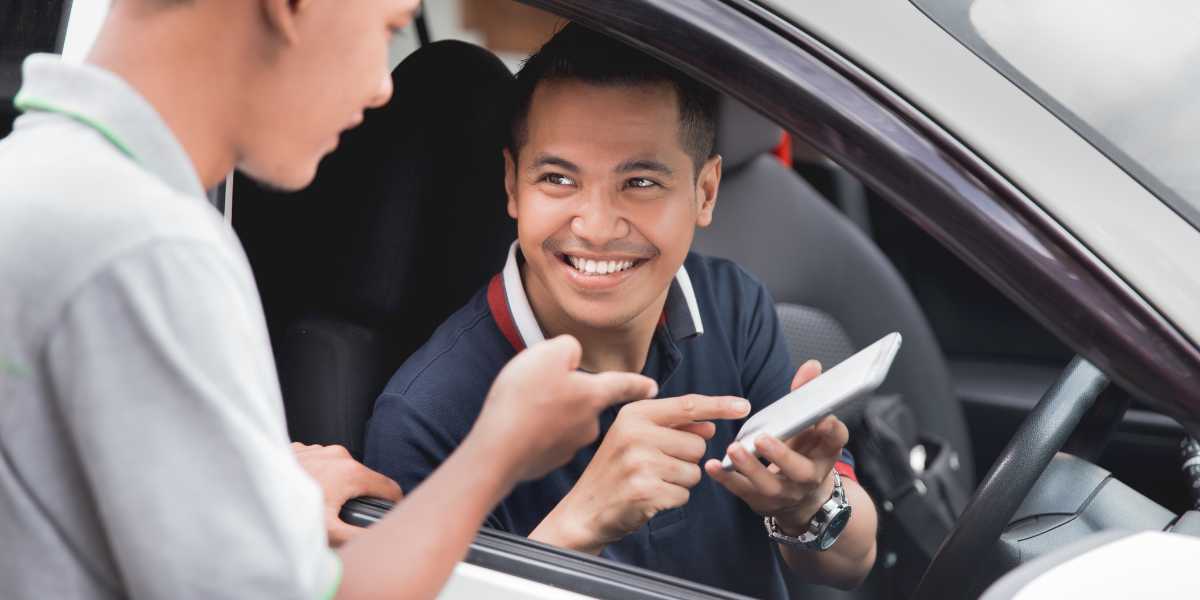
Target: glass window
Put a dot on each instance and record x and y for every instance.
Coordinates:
(1123, 73)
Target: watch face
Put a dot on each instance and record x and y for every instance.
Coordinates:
(837, 524)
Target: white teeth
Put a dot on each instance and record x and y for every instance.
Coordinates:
(602, 267)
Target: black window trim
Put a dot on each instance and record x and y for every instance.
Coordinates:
(563, 569)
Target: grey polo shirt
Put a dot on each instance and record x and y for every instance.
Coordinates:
(143, 449)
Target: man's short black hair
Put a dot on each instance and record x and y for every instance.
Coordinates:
(580, 54)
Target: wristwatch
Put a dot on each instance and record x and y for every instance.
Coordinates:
(824, 528)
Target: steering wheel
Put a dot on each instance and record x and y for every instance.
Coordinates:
(1041, 435)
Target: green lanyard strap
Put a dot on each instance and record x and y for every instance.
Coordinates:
(25, 103)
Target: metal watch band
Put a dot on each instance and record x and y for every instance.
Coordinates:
(811, 537)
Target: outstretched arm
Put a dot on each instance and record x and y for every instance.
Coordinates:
(539, 412)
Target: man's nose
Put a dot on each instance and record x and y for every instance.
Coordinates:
(383, 94)
(598, 221)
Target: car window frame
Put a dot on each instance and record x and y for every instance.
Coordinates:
(968, 196)
(759, 56)
(953, 17)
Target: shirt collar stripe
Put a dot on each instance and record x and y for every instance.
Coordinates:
(689, 294)
(514, 315)
(518, 303)
(499, 308)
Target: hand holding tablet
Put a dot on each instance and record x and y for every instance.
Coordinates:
(850, 380)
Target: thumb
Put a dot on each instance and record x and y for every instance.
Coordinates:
(340, 531)
(806, 373)
(615, 387)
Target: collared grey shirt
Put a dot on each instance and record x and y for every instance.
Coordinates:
(143, 449)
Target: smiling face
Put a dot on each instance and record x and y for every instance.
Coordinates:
(606, 200)
(322, 64)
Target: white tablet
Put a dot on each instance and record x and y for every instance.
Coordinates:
(851, 379)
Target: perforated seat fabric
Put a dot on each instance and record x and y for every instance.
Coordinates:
(813, 333)
(403, 223)
(810, 256)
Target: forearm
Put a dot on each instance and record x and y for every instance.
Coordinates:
(411, 552)
(847, 563)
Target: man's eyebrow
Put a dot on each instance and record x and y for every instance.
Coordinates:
(644, 164)
(550, 160)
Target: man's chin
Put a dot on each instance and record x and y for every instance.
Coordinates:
(282, 180)
(600, 316)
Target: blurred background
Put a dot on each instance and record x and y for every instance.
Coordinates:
(510, 30)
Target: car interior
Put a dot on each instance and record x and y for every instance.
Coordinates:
(406, 219)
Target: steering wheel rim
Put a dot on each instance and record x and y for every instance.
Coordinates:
(1042, 434)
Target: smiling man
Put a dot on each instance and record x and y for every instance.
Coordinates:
(610, 169)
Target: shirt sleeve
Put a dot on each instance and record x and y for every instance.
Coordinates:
(767, 366)
(425, 413)
(405, 438)
(161, 367)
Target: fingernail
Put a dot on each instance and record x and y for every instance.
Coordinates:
(741, 406)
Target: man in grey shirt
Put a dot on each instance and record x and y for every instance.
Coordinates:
(143, 451)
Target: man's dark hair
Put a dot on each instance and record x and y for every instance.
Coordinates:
(580, 54)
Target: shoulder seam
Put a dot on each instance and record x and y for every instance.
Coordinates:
(483, 314)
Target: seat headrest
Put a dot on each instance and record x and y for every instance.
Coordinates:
(435, 148)
(743, 134)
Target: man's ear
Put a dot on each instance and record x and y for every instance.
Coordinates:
(510, 182)
(280, 16)
(707, 186)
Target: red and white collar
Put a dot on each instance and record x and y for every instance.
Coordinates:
(513, 314)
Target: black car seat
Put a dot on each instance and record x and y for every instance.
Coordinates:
(407, 219)
(835, 291)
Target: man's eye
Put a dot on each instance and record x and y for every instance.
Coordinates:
(641, 183)
(557, 179)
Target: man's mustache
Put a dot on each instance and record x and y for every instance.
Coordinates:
(622, 247)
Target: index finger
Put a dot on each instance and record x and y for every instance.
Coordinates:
(681, 410)
(615, 387)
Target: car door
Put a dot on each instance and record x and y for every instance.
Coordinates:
(1001, 359)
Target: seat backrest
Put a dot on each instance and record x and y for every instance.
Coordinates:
(406, 219)
(835, 290)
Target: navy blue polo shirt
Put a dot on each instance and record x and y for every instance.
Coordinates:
(718, 336)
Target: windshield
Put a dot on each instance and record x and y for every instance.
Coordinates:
(1123, 73)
